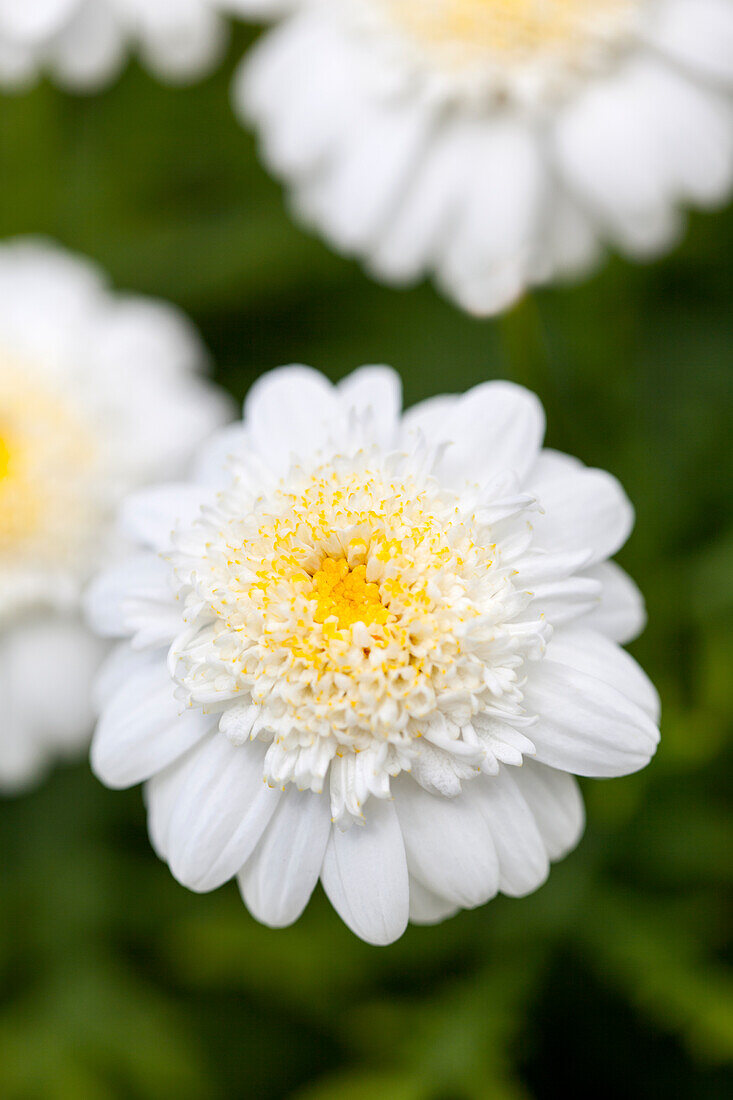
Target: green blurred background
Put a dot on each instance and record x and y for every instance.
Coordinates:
(612, 980)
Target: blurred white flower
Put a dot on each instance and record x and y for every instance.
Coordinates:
(371, 648)
(99, 393)
(83, 43)
(496, 144)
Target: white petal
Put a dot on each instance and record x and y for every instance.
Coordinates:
(149, 359)
(426, 907)
(281, 874)
(18, 67)
(290, 412)
(583, 509)
(563, 601)
(48, 298)
(212, 466)
(411, 239)
(221, 809)
(700, 161)
(378, 157)
(33, 21)
(585, 725)
(692, 131)
(142, 730)
(303, 110)
(606, 153)
(595, 655)
(121, 664)
(376, 391)
(523, 862)
(538, 567)
(151, 514)
(697, 33)
(495, 427)
(620, 615)
(50, 662)
(434, 769)
(23, 759)
(258, 9)
(570, 242)
(365, 875)
(180, 39)
(161, 793)
(556, 803)
(134, 597)
(427, 417)
(448, 843)
(90, 48)
(490, 255)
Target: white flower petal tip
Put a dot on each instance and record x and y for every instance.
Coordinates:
(371, 649)
(495, 147)
(82, 43)
(99, 393)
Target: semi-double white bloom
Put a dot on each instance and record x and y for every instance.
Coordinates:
(83, 43)
(99, 394)
(371, 649)
(496, 144)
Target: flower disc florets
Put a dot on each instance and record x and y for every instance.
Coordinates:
(350, 611)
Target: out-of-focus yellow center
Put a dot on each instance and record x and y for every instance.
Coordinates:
(4, 457)
(510, 30)
(46, 452)
(346, 594)
(20, 503)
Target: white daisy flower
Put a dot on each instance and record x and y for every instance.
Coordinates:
(99, 394)
(372, 649)
(496, 144)
(83, 43)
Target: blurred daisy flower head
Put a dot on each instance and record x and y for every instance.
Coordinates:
(99, 393)
(83, 43)
(495, 144)
(372, 649)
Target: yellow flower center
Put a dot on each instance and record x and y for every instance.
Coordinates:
(46, 455)
(19, 497)
(346, 595)
(513, 31)
(4, 457)
(361, 610)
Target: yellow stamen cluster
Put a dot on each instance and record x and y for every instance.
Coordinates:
(512, 31)
(346, 586)
(346, 595)
(312, 587)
